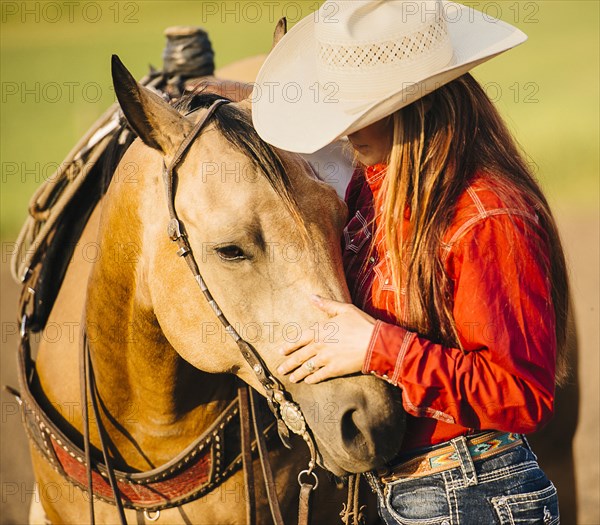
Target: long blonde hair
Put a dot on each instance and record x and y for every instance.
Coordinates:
(439, 142)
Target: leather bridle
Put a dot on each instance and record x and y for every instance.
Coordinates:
(288, 414)
(157, 491)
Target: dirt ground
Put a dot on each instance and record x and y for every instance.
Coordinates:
(581, 235)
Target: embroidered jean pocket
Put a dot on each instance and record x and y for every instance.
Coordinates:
(539, 507)
(356, 233)
(418, 501)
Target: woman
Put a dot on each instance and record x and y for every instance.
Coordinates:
(451, 253)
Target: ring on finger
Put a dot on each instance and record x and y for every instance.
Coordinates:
(310, 365)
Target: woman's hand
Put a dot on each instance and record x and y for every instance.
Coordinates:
(338, 354)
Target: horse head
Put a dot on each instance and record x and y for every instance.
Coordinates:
(266, 236)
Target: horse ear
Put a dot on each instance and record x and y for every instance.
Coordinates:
(158, 124)
(280, 31)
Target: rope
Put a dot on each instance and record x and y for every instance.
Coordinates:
(188, 53)
(352, 512)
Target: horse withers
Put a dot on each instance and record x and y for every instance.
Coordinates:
(266, 235)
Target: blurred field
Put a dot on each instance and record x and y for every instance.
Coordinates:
(55, 80)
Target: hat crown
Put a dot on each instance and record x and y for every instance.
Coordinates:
(354, 62)
(366, 20)
(379, 38)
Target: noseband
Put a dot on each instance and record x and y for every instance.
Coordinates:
(287, 413)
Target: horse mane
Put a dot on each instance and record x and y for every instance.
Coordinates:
(235, 125)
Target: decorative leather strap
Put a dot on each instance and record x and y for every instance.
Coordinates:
(264, 461)
(288, 413)
(89, 381)
(177, 233)
(193, 473)
(444, 458)
(246, 441)
(304, 504)
(83, 375)
(169, 174)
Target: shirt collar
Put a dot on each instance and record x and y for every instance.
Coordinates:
(375, 174)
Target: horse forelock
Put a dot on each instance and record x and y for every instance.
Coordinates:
(235, 124)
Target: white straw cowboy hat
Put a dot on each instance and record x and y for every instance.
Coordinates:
(354, 62)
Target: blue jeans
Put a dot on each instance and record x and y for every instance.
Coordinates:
(509, 488)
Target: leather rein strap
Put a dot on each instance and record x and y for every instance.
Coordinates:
(288, 413)
(88, 380)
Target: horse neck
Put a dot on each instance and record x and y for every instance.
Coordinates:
(147, 390)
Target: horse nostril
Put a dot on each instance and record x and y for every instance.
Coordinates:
(353, 437)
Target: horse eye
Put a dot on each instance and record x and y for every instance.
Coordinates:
(230, 252)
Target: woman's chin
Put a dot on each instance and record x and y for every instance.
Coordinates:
(367, 158)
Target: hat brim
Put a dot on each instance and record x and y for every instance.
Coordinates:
(292, 111)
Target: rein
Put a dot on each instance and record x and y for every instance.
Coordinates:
(287, 413)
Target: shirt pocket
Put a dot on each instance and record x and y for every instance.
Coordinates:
(357, 233)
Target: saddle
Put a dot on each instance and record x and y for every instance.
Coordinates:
(58, 213)
(61, 207)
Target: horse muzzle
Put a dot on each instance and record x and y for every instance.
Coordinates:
(357, 422)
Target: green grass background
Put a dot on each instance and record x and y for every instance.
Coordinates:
(547, 89)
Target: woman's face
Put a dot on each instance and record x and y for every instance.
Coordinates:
(372, 144)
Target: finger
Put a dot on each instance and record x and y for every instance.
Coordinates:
(323, 373)
(308, 368)
(290, 348)
(329, 306)
(297, 359)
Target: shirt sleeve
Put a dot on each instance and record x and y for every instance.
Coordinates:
(503, 378)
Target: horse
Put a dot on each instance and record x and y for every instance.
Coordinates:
(265, 232)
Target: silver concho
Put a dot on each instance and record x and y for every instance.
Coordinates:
(293, 418)
(174, 229)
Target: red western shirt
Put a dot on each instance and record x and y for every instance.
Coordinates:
(495, 257)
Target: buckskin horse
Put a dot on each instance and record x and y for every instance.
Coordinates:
(159, 419)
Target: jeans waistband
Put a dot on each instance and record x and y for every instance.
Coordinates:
(458, 452)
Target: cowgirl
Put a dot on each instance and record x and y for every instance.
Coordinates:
(451, 253)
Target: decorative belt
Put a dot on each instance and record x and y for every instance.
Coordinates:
(480, 447)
